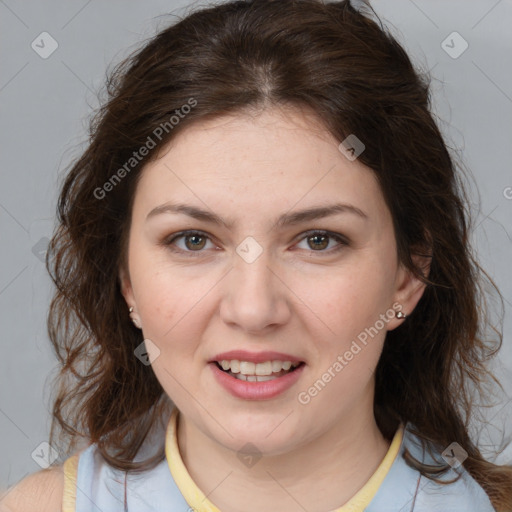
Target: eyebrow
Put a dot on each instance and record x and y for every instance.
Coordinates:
(287, 219)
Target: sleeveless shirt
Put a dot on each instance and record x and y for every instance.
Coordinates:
(91, 485)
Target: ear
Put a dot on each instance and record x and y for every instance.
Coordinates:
(126, 287)
(410, 288)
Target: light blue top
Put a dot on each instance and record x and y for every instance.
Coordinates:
(100, 488)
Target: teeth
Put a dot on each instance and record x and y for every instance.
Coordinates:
(249, 369)
(263, 368)
(254, 378)
(277, 366)
(263, 378)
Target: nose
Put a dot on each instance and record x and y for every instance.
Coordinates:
(255, 296)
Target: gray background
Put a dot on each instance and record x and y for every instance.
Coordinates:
(45, 104)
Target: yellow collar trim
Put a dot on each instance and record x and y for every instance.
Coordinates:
(198, 501)
(70, 468)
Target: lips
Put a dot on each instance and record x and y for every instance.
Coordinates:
(255, 357)
(259, 390)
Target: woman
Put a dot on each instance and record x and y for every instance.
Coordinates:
(264, 283)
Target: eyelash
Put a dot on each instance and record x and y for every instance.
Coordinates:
(183, 234)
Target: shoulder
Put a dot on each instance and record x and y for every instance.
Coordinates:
(456, 490)
(405, 488)
(464, 494)
(38, 492)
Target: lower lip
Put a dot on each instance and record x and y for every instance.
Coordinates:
(256, 390)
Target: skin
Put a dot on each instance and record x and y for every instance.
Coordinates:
(295, 298)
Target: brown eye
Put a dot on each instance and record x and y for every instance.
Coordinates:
(319, 241)
(196, 241)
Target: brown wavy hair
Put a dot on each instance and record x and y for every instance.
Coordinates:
(342, 64)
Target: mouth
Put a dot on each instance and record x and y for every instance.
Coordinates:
(257, 372)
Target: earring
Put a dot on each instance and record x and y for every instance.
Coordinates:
(134, 320)
(400, 314)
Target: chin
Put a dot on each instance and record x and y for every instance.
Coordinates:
(266, 437)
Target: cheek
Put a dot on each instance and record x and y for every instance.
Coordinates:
(347, 342)
(163, 293)
(349, 299)
(171, 308)
(345, 311)
(172, 303)
(177, 324)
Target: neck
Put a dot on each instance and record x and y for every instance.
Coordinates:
(339, 462)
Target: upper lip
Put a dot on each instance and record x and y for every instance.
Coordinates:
(254, 357)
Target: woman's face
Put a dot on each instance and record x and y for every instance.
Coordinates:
(248, 282)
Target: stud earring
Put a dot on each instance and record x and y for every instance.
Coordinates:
(400, 314)
(134, 320)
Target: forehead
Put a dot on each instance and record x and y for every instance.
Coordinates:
(259, 163)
